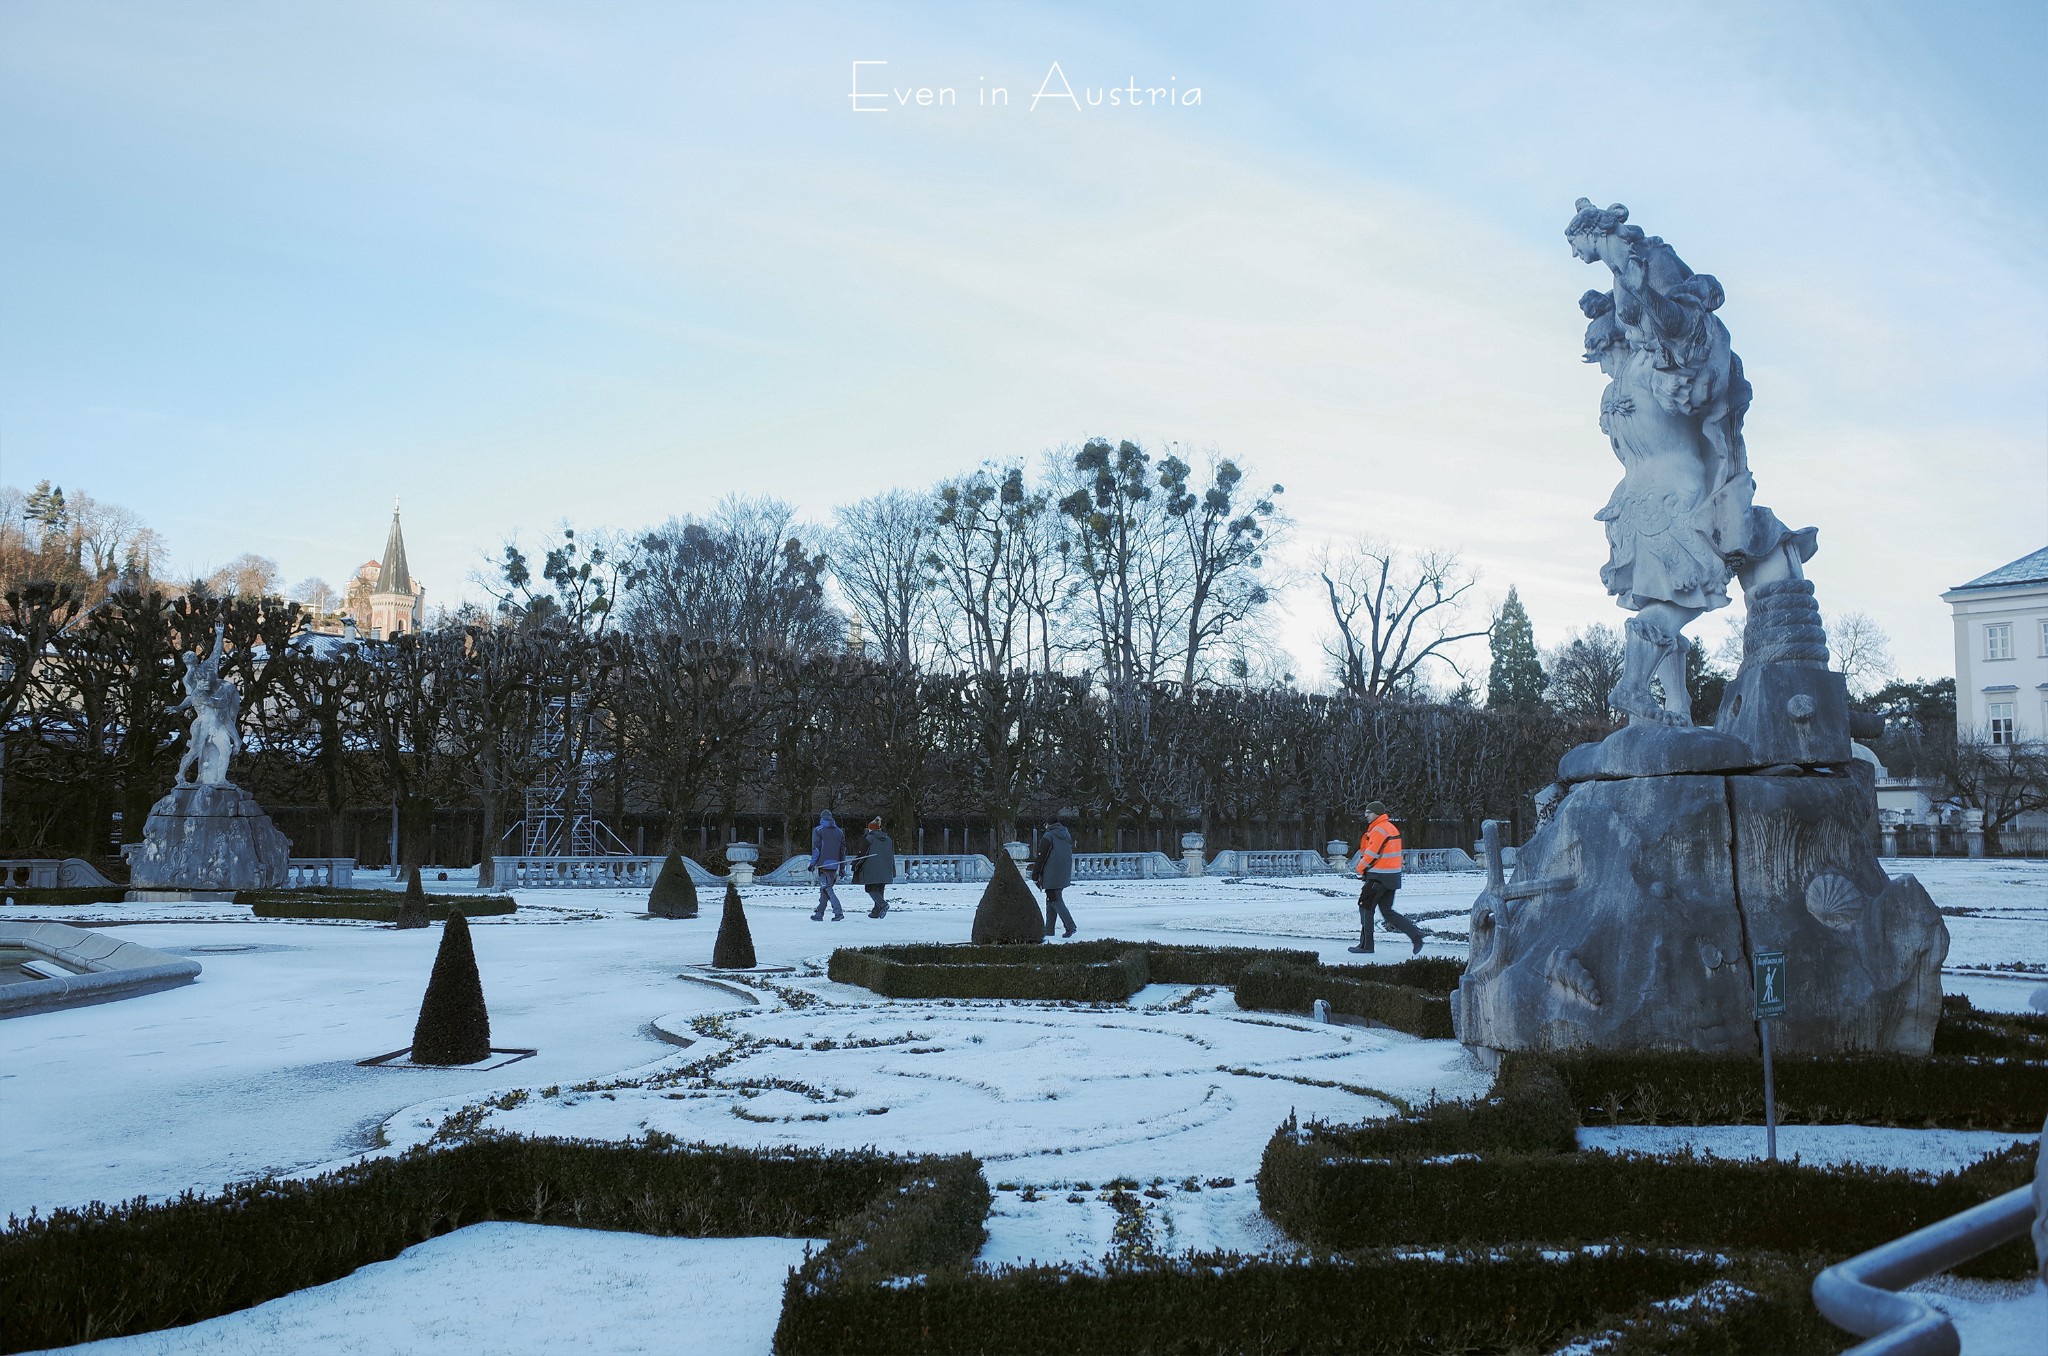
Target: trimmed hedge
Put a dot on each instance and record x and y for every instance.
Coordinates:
(1294, 988)
(1329, 1201)
(438, 907)
(1530, 1112)
(1946, 1091)
(1090, 972)
(67, 896)
(1499, 1300)
(1963, 1030)
(105, 1271)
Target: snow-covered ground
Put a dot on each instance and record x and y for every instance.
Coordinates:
(1931, 1152)
(509, 1288)
(252, 1069)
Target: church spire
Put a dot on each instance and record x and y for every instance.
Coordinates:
(393, 577)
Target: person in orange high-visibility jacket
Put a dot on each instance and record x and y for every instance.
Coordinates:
(1379, 861)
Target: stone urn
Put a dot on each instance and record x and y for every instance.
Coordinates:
(1020, 853)
(1191, 861)
(1339, 854)
(742, 857)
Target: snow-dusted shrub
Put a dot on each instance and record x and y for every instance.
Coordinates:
(1953, 1092)
(734, 949)
(1963, 1030)
(454, 1026)
(1008, 912)
(1349, 990)
(1313, 1185)
(674, 894)
(1494, 1299)
(107, 1271)
(371, 906)
(412, 911)
(1085, 972)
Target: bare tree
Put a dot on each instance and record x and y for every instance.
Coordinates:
(742, 577)
(1394, 612)
(318, 596)
(1225, 545)
(877, 555)
(1583, 672)
(1863, 652)
(247, 575)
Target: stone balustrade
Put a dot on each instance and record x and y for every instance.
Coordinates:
(320, 873)
(585, 873)
(49, 873)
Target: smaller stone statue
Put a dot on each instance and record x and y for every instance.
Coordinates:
(216, 707)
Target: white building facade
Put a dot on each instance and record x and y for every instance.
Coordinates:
(2001, 621)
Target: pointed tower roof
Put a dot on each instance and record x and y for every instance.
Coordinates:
(393, 577)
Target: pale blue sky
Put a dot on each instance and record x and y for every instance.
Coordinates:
(266, 265)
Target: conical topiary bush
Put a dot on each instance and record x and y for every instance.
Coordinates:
(454, 1027)
(412, 909)
(674, 894)
(1008, 911)
(734, 949)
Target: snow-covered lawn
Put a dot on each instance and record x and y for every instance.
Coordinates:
(1931, 1152)
(252, 1069)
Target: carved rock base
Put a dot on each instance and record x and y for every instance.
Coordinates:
(1632, 916)
(209, 838)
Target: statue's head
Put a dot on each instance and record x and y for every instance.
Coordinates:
(1589, 224)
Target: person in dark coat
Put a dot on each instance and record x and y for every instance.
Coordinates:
(828, 854)
(874, 866)
(1053, 870)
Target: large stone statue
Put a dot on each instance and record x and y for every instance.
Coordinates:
(216, 707)
(1681, 522)
(208, 836)
(1667, 856)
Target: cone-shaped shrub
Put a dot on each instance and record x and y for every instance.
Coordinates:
(1008, 911)
(412, 911)
(734, 949)
(674, 894)
(453, 1028)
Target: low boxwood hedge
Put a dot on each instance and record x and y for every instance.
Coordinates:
(67, 896)
(1963, 1030)
(106, 1271)
(1493, 1300)
(1108, 971)
(372, 906)
(1352, 991)
(1955, 1092)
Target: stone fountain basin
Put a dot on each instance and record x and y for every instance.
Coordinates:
(77, 965)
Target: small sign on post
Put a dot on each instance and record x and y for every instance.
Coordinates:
(1768, 980)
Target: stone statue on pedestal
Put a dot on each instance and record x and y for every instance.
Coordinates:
(216, 707)
(208, 836)
(1666, 855)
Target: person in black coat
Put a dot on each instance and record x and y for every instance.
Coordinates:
(1053, 870)
(875, 866)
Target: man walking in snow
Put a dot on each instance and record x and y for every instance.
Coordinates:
(828, 854)
(875, 866)
(1053, 869)
(1379, 861)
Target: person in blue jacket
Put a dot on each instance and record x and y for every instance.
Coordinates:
(828, 854)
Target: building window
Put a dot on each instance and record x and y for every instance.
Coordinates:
(2044, 637)
(1998, 640)
(2001, 722)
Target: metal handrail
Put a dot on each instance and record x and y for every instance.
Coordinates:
(1861, 1294)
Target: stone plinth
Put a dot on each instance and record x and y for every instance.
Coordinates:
(209, 838)
(1633, 913)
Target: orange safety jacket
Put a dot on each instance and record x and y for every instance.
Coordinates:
(1379, 850)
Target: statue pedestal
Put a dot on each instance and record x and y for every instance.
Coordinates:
(1634, 912)
(208, 838)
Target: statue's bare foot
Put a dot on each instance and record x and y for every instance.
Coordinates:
(1641, 707)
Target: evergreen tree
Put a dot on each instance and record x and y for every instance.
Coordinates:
(674, 894)
(1516, 680)
(412, 910)
(734, 949)
(454, 1027)
(1704, 684)
(1008, 911)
